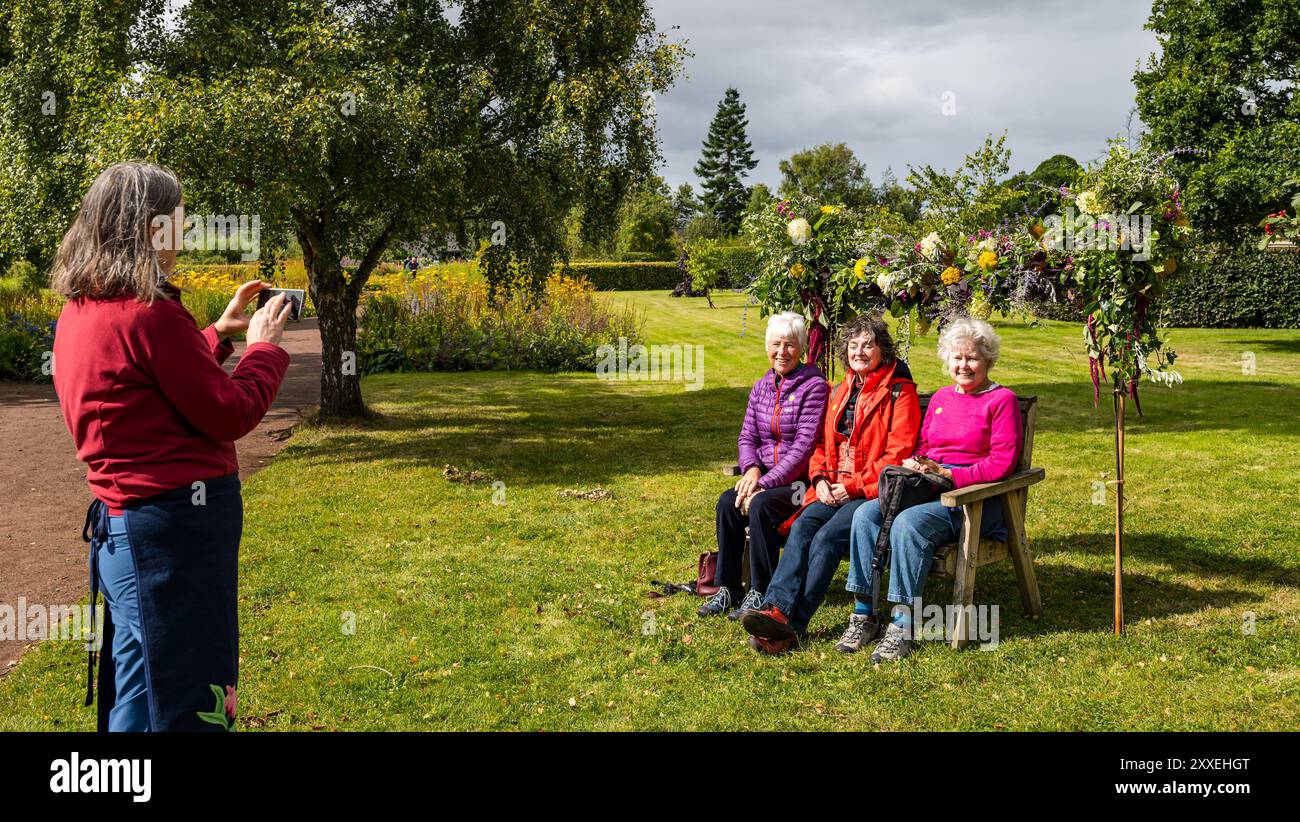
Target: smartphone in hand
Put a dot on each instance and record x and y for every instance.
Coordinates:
(293, 295)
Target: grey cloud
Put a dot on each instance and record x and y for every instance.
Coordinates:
(1055, 75)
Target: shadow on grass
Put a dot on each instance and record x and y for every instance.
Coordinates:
(1081, 600)
(1245, 405)
(535, 429)
(1279, 346)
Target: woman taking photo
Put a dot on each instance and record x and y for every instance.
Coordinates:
(154, 417)
(776, 441)
(871, 422)
(971, 435)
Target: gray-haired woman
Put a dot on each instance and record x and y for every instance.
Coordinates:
(776, 442)
(154, 417)
(971, 434)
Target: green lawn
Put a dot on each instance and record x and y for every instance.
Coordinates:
(529, 614)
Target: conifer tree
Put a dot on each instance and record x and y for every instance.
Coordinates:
(727, 157)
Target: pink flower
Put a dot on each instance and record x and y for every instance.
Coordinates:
(230, 702)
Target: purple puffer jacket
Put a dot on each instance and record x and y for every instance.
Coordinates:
(780, 427)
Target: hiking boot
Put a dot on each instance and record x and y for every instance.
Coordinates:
(862, 629)
(768, 623)
(752, 602)
(717, 605)
(895, 645)
(771, 647)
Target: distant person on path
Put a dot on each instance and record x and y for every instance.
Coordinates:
(155, 417)
(776, 441)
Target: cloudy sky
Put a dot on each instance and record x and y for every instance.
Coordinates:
(1054, 74)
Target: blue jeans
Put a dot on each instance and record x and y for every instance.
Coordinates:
(117, 580)
(819, 539)
(916, 532)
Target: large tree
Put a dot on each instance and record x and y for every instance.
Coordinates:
(358, 125)
(1036, 191)
(726, 159)
(1224, 83)
(60, 64)
(828, 173)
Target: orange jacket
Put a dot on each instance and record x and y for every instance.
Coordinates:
(881, 436)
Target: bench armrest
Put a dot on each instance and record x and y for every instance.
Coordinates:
(731, 471)
(972, 493)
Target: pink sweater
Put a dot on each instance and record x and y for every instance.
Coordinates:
(981, 431)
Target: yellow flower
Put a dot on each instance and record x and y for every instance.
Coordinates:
(950, 275)
(797, 270)
(830, 209)
(860, 268)
(987, 260)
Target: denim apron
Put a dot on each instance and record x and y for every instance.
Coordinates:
(185, 547)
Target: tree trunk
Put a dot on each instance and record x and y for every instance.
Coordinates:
(340, 384)
(336, 298)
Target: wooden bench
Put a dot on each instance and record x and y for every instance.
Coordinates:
(960, 560)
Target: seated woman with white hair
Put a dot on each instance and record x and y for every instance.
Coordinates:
(971, 435)
(776, 441)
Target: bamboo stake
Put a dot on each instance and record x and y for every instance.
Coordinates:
(1119, 513)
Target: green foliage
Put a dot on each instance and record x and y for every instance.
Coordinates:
(625, 276)
(61, 64)
(971, 198)
(828, 173)
(1120, 288)
(27, 276)
(27, 322)
(448, 328)
(727, 157)
(685, 205)
(373, 122)
(1034, 192)
(712, 264)
(1224, 83)
(646, 222)
(704, 226)
(1236, 288)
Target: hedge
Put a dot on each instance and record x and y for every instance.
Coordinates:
(614, 276)
(1241, 288)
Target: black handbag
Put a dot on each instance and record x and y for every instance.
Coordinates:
(899, 489)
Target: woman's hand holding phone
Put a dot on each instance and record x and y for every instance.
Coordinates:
(233, 320)
(267, 324)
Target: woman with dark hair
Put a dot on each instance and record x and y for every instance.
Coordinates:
(154, 417)
(871, 421)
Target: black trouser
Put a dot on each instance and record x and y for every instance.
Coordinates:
(767, 511)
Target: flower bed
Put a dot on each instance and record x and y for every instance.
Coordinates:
(443, 321)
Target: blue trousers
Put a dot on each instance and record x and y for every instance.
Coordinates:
(117, 580)
(916, 532)
(819, 539)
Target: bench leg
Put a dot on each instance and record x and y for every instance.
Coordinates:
(963, 591)
(1013, 505)
(744, 562)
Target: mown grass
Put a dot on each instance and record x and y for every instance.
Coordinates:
(532, 614)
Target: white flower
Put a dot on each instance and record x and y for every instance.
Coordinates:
(1088, 202)
(930, 243)
(885, 281)
(799, 230)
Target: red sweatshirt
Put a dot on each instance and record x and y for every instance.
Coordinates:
(143, 392)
